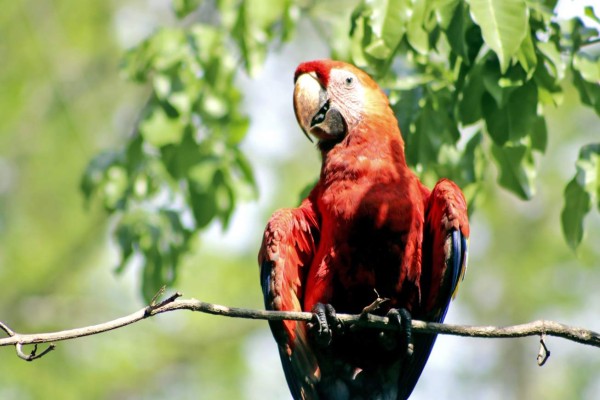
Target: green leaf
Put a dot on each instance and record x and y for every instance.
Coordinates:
(360, 33)
(388, 23)
(417, 35)
(171, 90)
(96, 171)
(463, 167)
(549, 73)
(158, 129)
(503, 24)
(224, 196)
(406, 106)
(580, 35)
(238, 128)
(589, 12)
(152, 274)
(588, 66)
(446, 11)
(168, 49)
(526, 55)
(553, 59)
(470, 161)
(587, 81)
(253, 28)
(126, 239)
(114, 187)
(201, 190)
(245, 170)
(160, 52)
(580, 193)
(516, 119)
(184, 7)
(430, 129)
(137, 62)
(539, 134)
(362, 38)
(491, 81)
(422, 145)
(517, 169)
(471, 96)
(178, 158)
(159, 237)
(577, 205)
(290, 19)
(456, 31)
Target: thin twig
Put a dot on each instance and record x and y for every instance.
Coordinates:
(535, 328)
(544, 353)
(33, 355)
(374, 305)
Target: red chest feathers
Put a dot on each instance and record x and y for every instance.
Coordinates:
(371, 239)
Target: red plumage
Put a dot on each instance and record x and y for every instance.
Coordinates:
(368, 224)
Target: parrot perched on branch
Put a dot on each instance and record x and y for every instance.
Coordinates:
(369, 229)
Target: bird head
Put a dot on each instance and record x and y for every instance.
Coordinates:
(332, 98)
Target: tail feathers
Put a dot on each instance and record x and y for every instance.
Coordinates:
(299, 365)
(413, 366)
(318, 376)
(379, 384)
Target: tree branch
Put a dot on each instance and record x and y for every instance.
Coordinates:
(536, 328)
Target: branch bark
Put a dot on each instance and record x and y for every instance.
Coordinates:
(540, 328)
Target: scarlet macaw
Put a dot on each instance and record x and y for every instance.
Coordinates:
(368, 224)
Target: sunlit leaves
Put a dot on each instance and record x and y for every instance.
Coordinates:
(161, 237)
(254, 24)
(183, 7)
(581, 192)
(526, 55)
(183, 159)
(503, 25)
(469, 108)
(106, 175)
(515, 119)
(419, 26)
(463, 35)
(182, 169)
(158, 129)
(492, 65)
(388, 23)
(589, 12)
(378, 28)
(586, 77)
(517, 169)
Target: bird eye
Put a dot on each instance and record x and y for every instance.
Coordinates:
(349, 81)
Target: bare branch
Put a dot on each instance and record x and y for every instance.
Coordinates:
(33, 355)
(544, 353)
(536, 328)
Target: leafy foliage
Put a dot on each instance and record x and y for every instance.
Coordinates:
(469, 81)
(581, 192)
(182, 168)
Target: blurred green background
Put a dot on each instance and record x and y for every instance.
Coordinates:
(62, 101)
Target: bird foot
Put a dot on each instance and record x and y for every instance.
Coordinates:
(402, 319)
(324, 323)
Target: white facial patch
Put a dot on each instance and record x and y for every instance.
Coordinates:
(346, 94)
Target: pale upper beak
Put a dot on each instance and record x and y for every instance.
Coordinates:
(309, 98)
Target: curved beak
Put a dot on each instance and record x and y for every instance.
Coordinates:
(315, 111)
(309, 98)
(310, 102)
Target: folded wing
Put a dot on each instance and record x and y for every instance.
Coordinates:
(286, 253)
